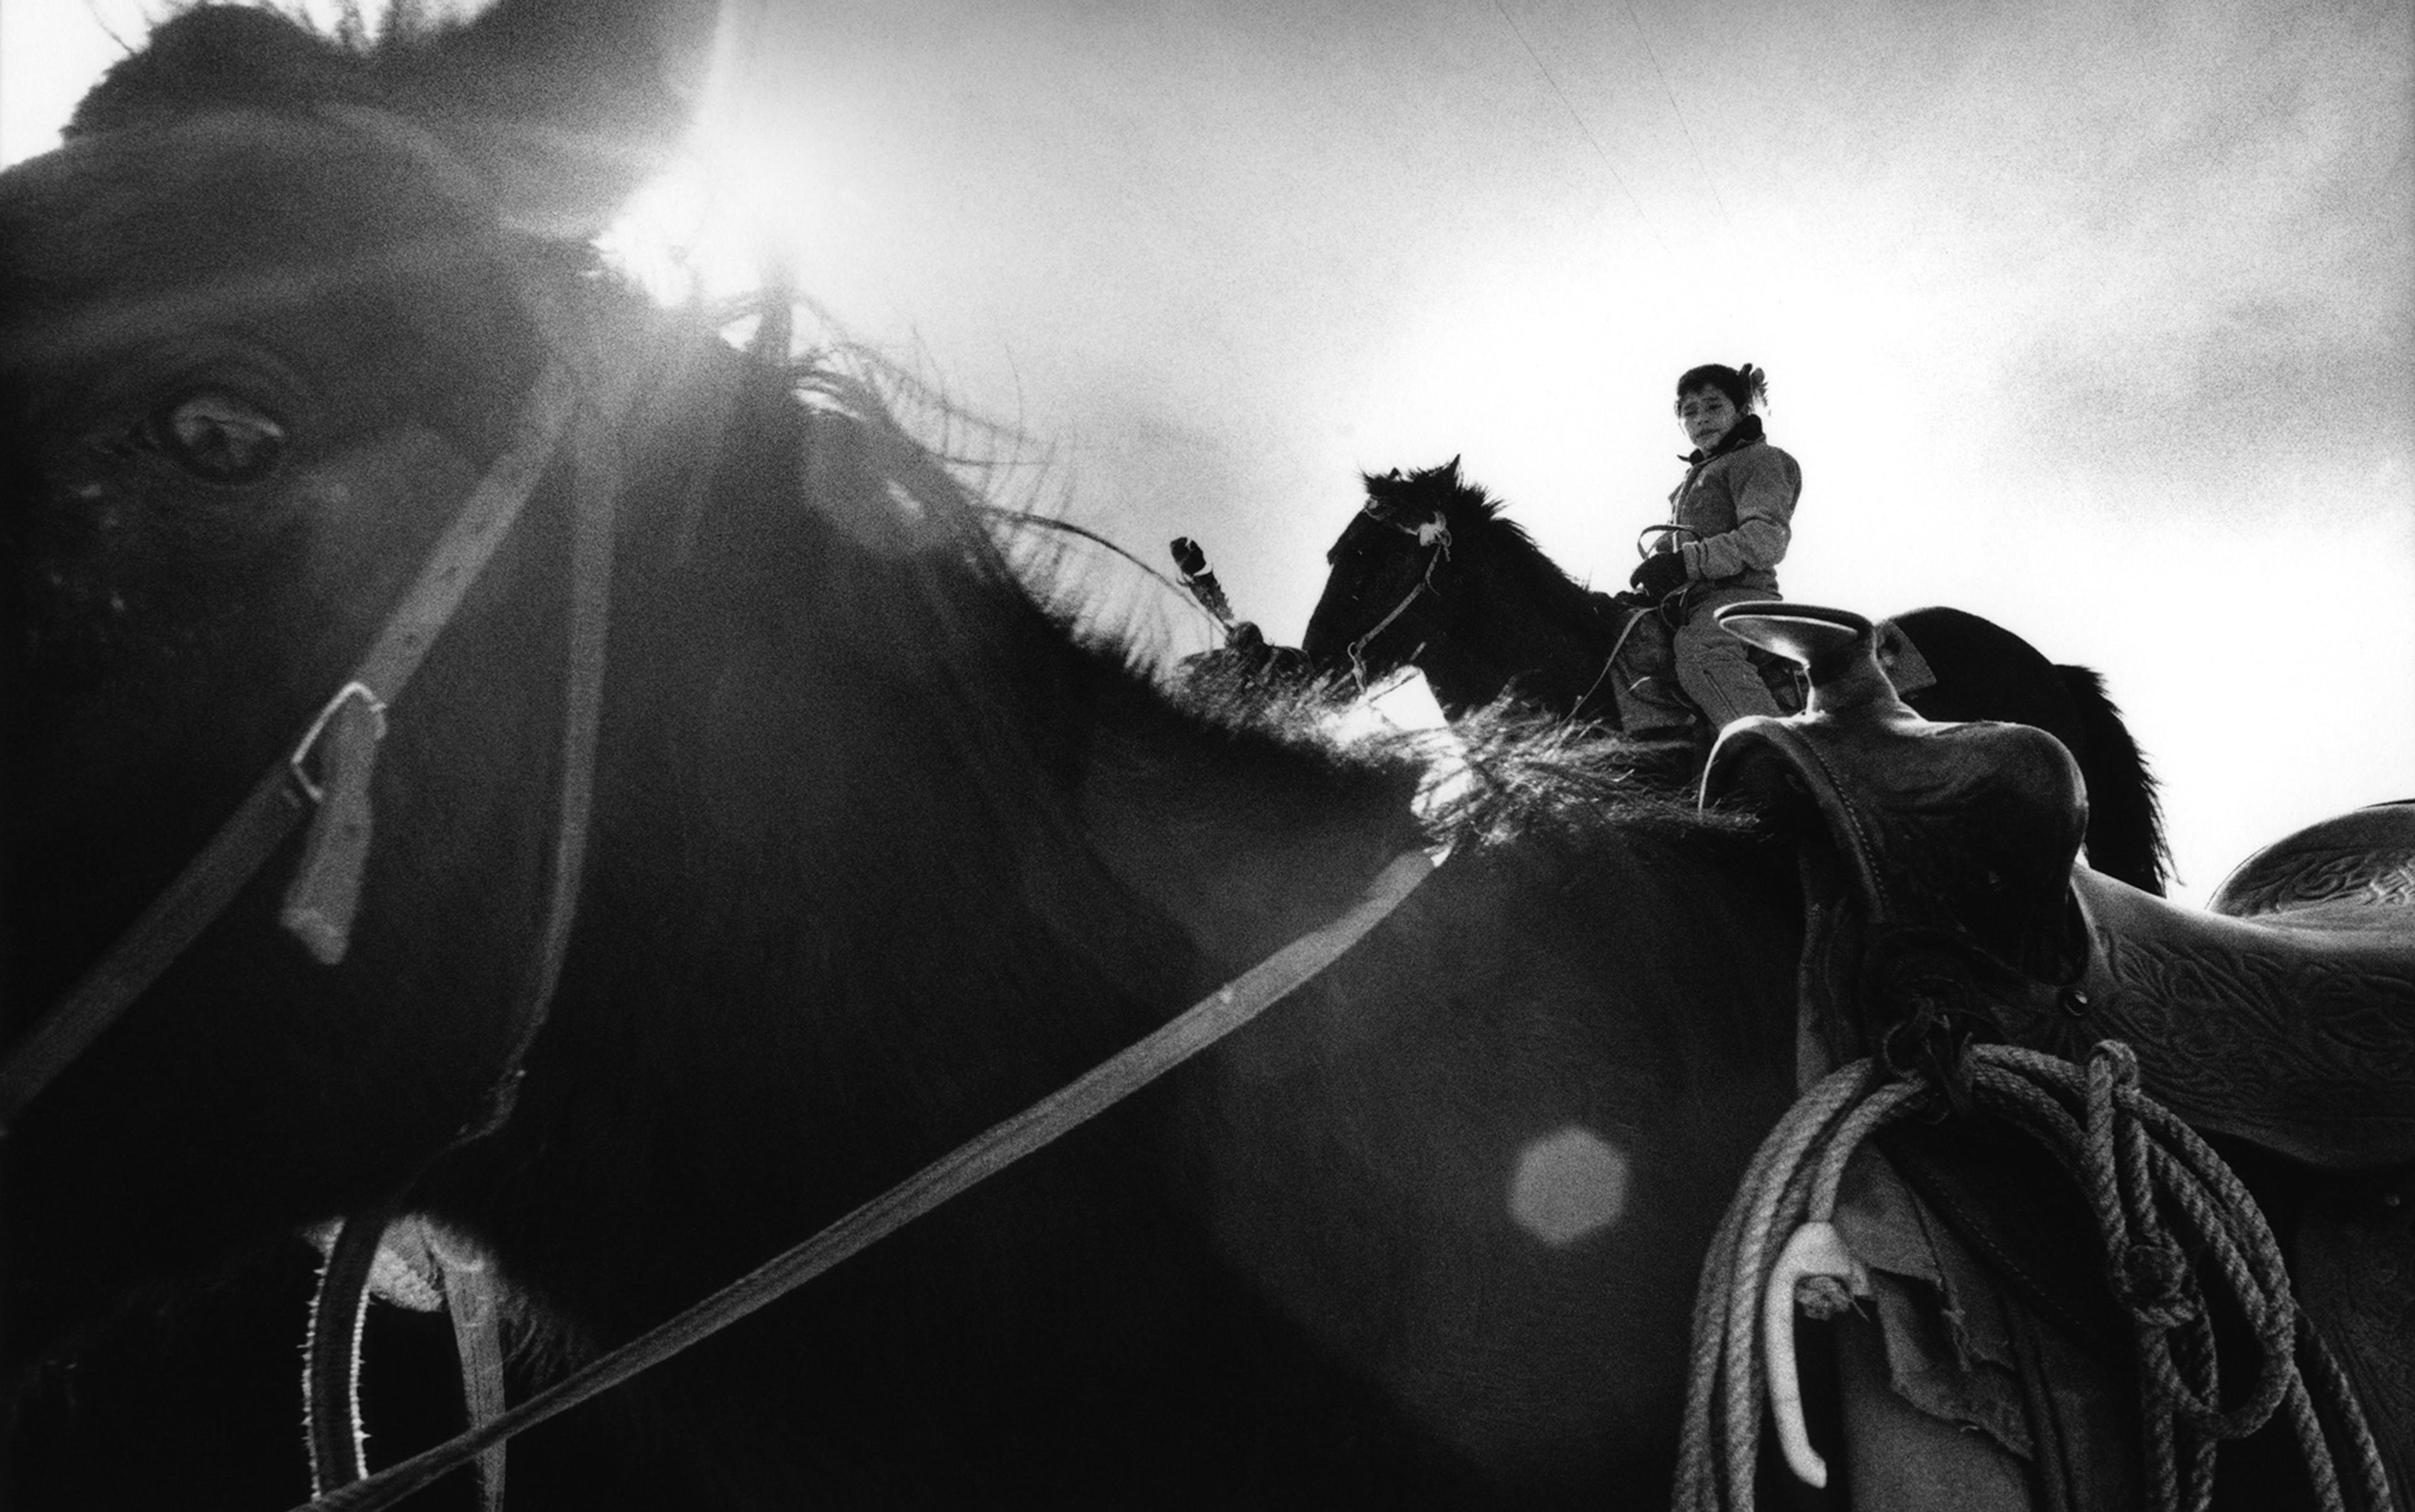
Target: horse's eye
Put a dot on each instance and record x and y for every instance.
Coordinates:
(218, 438)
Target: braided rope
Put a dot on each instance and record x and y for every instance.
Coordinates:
(2160, 1195)
(1722, 1427)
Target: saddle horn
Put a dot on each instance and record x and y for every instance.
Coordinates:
(1836, 649)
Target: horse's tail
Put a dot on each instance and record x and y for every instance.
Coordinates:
(2125, 816)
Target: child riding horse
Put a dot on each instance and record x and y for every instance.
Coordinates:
(1728, 526)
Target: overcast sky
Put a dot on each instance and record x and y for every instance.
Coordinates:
(2096, 319)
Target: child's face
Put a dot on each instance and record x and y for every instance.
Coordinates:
(1708, 415)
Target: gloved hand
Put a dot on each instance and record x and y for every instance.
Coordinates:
(1660, 575)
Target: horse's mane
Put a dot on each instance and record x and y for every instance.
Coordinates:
(1476, 516)
(991, 619)
(1529, 774)
(262, 57)
(991, 622)
(271, 56)
(1533, 774)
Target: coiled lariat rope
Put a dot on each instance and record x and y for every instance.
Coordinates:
(2160, 1196)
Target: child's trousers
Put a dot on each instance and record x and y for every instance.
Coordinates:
(1712, 668)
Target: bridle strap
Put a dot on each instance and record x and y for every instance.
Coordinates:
(203, 890)
(596, 475)
(332, 1414)
(1201, 1026)
(1357, 649)
(473, 1300)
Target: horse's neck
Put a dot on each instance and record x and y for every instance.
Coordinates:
(1242, 854)
(1012, 766)
(1521, 620)
(1462, 676)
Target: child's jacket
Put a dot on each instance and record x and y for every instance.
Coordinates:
(1738, 502)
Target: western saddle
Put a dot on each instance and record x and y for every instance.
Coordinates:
(1944, 905)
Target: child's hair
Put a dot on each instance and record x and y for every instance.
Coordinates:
(1744, 386)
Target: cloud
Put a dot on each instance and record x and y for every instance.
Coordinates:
(2143, 239)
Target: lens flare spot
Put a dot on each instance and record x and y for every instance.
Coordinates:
(1568, 1184)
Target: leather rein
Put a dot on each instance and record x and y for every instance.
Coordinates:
(1218, 1014)
(1436, 534)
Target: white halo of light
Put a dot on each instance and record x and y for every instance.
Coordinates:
(1568, 1184)
(722, 219)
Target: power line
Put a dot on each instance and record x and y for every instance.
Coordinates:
(1578, 117)
(1709, 182)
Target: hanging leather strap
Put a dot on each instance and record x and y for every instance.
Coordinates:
(334, 1415)
(470, 1298)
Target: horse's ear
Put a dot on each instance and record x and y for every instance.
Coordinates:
(563, 107)
(1378, 491)
(219, 57)
(1451, 467)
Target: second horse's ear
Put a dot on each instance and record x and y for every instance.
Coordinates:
(1379, 490)
(563, 107)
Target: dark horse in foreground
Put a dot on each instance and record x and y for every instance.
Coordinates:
(878, 853)
(1473, 604)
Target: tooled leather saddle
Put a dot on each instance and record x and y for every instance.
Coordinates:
(1944, 903)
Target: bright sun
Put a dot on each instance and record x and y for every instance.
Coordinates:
(711, 225)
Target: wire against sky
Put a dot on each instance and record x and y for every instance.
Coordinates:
(1707, 181)
(1578, 116)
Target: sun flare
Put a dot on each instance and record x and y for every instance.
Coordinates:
(714, 224)
(726, 216)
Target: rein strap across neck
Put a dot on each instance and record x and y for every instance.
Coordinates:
(1228, 1008)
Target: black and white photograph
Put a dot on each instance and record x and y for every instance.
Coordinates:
(1490, 753)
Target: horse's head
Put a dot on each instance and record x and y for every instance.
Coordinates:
(1390, 594)
(263, 328)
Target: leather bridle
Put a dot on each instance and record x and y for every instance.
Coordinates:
(585, 406)
(341, 741)
(345, 731)
(322, 900)
(1434, 534)
(332, 1353)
